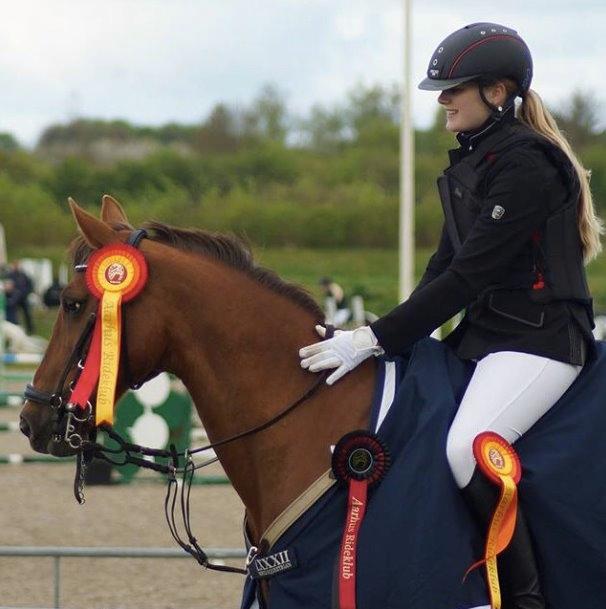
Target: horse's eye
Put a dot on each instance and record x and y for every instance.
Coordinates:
(72, 306)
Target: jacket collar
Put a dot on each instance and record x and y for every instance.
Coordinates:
(469, 140)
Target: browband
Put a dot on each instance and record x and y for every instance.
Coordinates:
(134, 239)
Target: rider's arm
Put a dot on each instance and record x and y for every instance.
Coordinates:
(521, 187)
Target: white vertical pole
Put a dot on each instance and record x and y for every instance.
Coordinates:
(3, 256)
(407, 187)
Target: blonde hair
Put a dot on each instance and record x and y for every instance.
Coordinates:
(533, 113)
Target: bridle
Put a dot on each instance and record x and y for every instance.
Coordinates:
(64, 413)
(66, 416)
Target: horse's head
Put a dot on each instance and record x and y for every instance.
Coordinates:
(44, 416)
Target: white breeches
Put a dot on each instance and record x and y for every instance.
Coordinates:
(508, 392)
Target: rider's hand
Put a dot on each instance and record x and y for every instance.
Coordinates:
(344, 351)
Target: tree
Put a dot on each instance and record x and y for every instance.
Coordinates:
(369, 106)
(8, 143)
(324, 130)
(267, 118)
(579, 118)
(219, 132)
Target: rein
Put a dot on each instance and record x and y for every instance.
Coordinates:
(191, 546)
(67, 415)
(127, 448)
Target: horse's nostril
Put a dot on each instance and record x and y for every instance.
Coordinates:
(24, 426)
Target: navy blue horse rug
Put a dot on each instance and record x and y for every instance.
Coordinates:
(418, 539)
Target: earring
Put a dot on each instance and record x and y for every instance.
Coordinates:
(500, 108)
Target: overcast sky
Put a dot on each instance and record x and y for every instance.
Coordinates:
(155, 61)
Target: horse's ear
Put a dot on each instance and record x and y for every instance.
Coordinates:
(95, 232)
(112, 212)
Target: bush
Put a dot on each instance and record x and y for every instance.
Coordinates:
(30, 215)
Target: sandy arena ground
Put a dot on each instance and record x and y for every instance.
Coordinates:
(38, 509)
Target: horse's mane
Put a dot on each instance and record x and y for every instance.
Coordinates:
(225, 248)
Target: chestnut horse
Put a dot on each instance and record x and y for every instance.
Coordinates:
(230, 330)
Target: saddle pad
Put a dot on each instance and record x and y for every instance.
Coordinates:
(418, 538)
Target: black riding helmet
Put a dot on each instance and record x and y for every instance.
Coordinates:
(482, 52)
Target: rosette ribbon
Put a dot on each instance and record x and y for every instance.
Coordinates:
(359, 460)
(115, 274)
(499, 462)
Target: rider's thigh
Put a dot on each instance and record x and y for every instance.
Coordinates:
(508, 392)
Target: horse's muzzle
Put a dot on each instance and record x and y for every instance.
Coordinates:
(33, 425)
(24, 426)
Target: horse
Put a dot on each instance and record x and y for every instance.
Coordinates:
(231, 330)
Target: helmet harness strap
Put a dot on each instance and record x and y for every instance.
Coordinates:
(497, 112)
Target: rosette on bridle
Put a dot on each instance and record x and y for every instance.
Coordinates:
(115, 274)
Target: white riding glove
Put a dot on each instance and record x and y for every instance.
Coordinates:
(344, 351)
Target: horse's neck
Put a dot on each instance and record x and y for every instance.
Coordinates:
(237, 354)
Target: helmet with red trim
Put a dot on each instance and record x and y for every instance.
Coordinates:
(480, 51)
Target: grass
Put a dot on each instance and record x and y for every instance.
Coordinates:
(370, 272)
(374, 273)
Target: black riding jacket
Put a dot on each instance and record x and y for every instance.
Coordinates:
(509, 254)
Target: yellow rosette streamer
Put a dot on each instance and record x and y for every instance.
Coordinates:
(499, 462)
(116, 273)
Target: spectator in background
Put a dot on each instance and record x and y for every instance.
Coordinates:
(10, 307)
(52, 295)
(331, 289)
(19, 287)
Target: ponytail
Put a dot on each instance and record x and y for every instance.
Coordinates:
(535, 115)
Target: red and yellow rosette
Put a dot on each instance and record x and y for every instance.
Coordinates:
(116, 273)
(499, 462)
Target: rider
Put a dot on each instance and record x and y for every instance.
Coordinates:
(519, 224)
